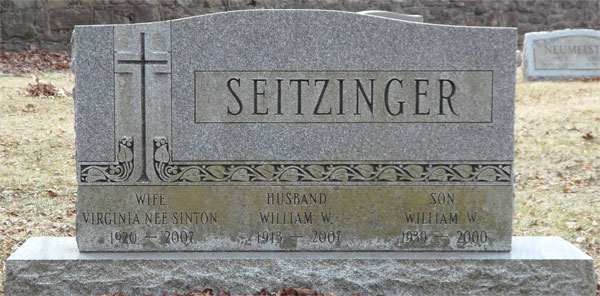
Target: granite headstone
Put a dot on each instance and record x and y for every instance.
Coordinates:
(561, 55)
(209, 133)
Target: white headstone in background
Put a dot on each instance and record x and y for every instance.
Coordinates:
(561, 55)
(394, 15)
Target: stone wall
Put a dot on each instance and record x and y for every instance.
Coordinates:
(47, 24)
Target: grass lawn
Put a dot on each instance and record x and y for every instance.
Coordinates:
(557, 161)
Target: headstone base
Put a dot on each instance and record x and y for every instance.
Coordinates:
(535, 266)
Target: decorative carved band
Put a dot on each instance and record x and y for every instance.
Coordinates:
(118, 171)
(382, 172)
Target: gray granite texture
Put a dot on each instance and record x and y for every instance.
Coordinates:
(245, 218)
(535, 266)
(94, 90)
(327, 41)
(561, 55)
(211, 115)
(394, 15)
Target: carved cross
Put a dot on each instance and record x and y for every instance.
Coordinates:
(143, 62)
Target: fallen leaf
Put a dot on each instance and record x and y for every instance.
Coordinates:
(28, 108)
(40, 89)
(591, 79)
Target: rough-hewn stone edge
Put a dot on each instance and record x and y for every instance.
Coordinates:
(536, 266)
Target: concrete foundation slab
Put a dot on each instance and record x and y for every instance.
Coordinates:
(535, 266)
